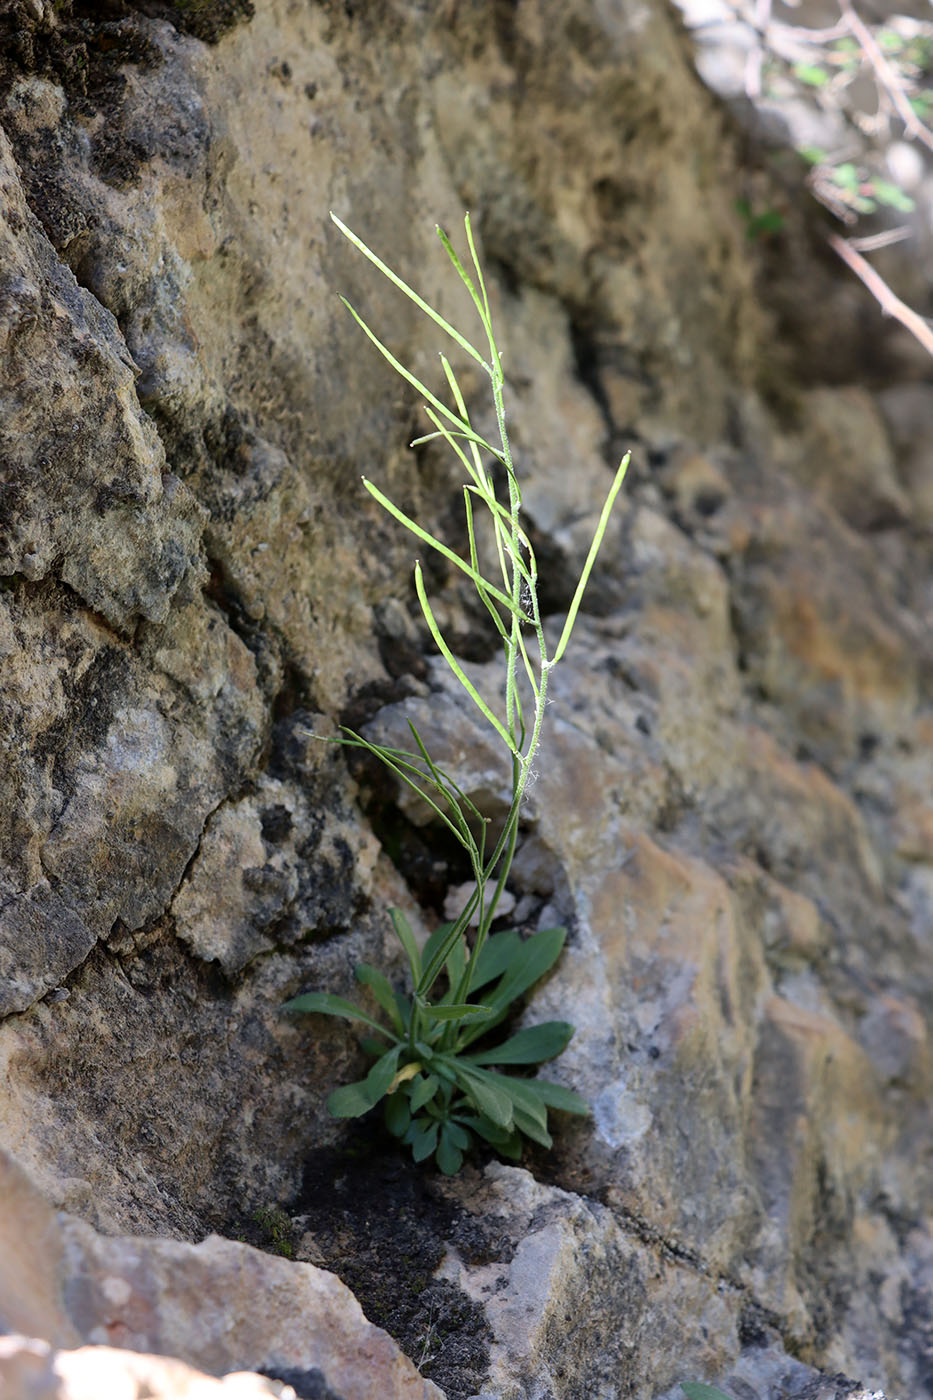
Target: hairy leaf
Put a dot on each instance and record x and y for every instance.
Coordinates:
(422, 1138)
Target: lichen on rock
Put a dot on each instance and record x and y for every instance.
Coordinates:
(731, 813)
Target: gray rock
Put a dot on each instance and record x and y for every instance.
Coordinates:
(731, 809)
(135, 1301)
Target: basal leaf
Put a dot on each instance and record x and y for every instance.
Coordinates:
(457, 1134)
(397, 1115)
(325, 1004)
(531, 960)
(495, 956)
(384, 993)
(435, 943)
(531, 1105)
(485, 1094)
(449, 1155)
(504, 1140)
(530, 1126)
(534, 958)
(353, 1100)
(556, 1096)
(528, 1047)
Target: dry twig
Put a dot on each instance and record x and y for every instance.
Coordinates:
(890, 304)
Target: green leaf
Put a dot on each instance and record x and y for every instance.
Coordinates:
(422, 1091)
(422, 1138)
(478, 580)
(526, 1123)
(528, 1047)
(455, 666)
(495, 956)
(811, 74)
(406, 937)
(383, 991)
(353, 1100)
(415, 382)
(449, 1155)
(397, 1114)
(614, 490)
(556, 1096)
(530, 1104)
(457, 1134)
(462, 273)
(892, 195)
(537, 955)
(435, 943)
(504, 1140)
(846, 176)
(532, 960)
(325, 1004)
(404, 287)
(456, 1011)
(485, 1094)
(696, 1390)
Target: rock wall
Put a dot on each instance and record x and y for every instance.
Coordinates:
(732, 813)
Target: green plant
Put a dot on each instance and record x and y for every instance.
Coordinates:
(279, 1229)
(697, 1390)
(759, 225)
(429, 1066)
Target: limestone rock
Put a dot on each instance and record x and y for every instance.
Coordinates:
(219, 1307)
(848, 458)
(731, 808)
(86, 491)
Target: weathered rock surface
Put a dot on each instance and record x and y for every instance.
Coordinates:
(732, 811)
(210, 1306)
(31, 1370)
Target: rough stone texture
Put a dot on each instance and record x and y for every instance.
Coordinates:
(732, 808)
(31, 1370)
(221, 1307)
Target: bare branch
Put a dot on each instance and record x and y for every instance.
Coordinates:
(890, 304)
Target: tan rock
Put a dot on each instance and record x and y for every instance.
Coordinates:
(848, 458)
